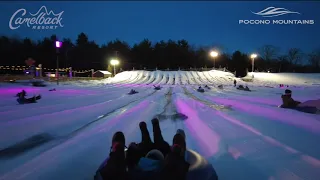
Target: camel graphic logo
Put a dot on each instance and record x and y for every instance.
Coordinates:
(42, 19)
(277, 13)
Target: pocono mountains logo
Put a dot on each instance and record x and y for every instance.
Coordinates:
(274, 12)
(40, 20)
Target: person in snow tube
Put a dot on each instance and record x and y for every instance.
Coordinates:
(220, 86)
(157, 87)
(246, 89)
(132, 92)
(23, 100)
(200, 89)
(290, 103)
(206, 86)
(148, 160)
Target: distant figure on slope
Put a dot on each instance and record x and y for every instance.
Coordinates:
(157, 87)
(23, 100)
(220, 86)
(240, 87)
(200, 89)
(235, 83)
(132, 92)
(287, 100)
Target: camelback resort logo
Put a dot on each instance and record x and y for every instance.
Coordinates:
(42, 19)
(271, 12)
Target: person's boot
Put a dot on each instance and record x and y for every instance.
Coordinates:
(179, 143)
(176, 166)
(38, 97)
(115, 169)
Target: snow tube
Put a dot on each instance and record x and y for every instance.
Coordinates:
(200, 90)
(305, 109)
(157, 88)
(243, 89)
(130, 93)
(38, 84)
(199, 168)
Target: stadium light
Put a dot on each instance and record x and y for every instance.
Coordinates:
(114, 62)
(58, 46)
(214, 54)
(253, 56)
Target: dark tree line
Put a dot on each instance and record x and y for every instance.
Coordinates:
(86, 54)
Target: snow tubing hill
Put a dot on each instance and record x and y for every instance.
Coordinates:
(199, 168)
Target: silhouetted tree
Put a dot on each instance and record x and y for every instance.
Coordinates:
(294, 56)
(86, 54)
(268, 52)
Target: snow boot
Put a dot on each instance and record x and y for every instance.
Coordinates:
(115, 169)
(175, 165)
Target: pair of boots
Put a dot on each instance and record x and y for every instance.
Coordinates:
(175, 166)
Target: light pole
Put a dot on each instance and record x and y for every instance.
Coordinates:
(252, 57)
(114, 62)
(214, 54)
(58, 46)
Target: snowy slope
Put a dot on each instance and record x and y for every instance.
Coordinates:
(243, 134)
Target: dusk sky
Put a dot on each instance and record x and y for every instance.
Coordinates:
(201, 23)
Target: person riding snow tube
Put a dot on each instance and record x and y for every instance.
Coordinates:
(132, 92)
(240, 87)
(247, 88)
(157, 87)
(289, 103)
(23, 100)
(220, 86)
(287, 100)
(200, 89)
(154, 160)
(206, 86)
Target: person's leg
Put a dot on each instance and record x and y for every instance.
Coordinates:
(146, 144)
(115, 167)
(38, 97)
(159, 142)
(30, 100)
(175, 166)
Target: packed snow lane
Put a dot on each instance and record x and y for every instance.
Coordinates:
(80, 156)
(59, 119)
(232, 146)
(56, 101)
(276, 126)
